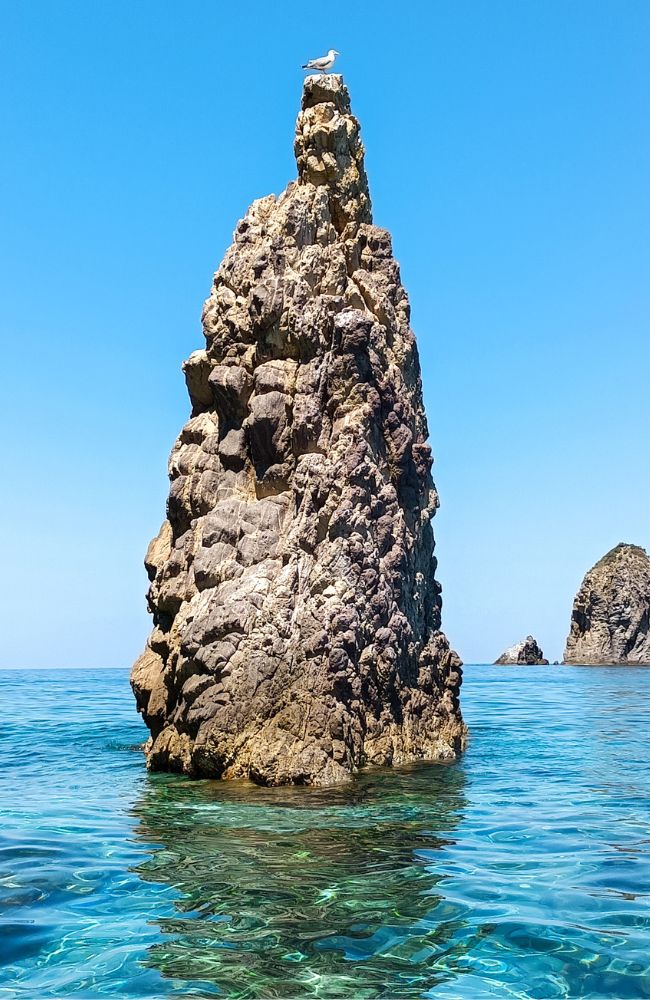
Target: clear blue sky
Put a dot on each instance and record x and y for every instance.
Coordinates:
(508, 152)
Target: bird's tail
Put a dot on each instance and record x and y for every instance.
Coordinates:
(305, 66)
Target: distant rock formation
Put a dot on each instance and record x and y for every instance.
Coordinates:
(527, 652)
(610, 622)
(296, 613)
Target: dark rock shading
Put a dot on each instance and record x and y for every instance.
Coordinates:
(296, 612)
(610, 622)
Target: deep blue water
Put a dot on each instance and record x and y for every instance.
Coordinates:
(523, 871)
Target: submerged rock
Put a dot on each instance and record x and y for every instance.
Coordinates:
(527, 651)
(296, 613)
(610, 622)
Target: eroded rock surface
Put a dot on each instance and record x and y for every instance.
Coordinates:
(610, 622)
(296, 614)
(526, 652)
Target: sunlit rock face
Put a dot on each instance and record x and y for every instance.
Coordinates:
(610, 622)
(296, 613)
(527, 652)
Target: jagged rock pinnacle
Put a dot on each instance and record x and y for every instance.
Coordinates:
(329, 151)
(296, 612)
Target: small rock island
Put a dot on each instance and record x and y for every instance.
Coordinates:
(525, 652)
(610, 622)
(297, 633)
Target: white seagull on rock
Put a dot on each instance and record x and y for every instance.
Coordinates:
(324, 63)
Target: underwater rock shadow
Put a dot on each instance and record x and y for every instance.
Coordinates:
(294, 892)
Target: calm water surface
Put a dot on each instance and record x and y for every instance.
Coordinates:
(523, 871)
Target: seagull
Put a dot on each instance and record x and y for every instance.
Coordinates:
(324, 63)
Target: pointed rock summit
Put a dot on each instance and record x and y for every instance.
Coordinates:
(296, 613)
(611, 613)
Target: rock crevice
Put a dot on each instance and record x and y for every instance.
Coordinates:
(296, 613)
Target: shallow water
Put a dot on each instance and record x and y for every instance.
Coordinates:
(523, 871)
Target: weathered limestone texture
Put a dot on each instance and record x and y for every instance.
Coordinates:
(296, 614)
(527, 652)
(610, 622)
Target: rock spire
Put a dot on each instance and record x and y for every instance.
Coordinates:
(610, 622)
(296, 614)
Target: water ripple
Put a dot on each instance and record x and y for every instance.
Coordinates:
(523, 871)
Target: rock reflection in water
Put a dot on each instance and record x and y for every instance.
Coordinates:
(303, 892)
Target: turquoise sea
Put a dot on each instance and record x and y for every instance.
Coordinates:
(522, 871)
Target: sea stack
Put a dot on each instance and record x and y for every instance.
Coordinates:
(610, 622)
(296, 612)
(525, 652)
